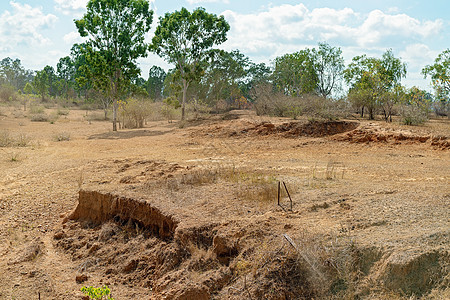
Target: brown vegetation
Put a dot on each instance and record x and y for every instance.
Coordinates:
(181, 213)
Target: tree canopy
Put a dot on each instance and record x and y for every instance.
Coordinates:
(185, 39)
(116, 31)
(371, 78)
(440, 74)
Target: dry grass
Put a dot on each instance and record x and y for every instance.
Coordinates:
(96, 116)
(62, 112)
(42, 117)
(249, 185)
(36, 109)
(62, 136)
(19, 140)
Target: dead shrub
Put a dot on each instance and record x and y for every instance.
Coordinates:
(62, 136)
(413, 115)
(8, 140)
(40, 118)
(198, 109)
(277, 104)
(304, 266)
(5, 139)
(134, 112)
(96, 116)
(36, 109)
(62, 112)
(8, 93)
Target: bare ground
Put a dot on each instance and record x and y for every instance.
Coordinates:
(180, 213)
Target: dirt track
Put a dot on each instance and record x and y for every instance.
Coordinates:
(387, 196)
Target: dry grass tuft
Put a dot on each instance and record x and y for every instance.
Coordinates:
(40, 118)
(62, 136)
(250, 185)
(8, 140)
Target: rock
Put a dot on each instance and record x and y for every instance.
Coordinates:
(81, 278)
(130, 266)
(59, 235)
(29, 252)
(412, 272)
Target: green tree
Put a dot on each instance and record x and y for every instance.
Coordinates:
(440, 71)
(116, 31)
(82, 83)
(440, 76)
(12, 73)
(224, 76)
(294, 74)
(51, 80)
(185, 40)
(28, 89)
(40, 83)
(257, 74)
(155, 82)
(65, 70)
(371, 78)
(329, 67)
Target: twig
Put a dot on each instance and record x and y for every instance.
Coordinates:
(279, 192)
(289, 195)
(306, 258)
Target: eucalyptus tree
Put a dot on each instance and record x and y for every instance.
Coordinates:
(40, 83)
(440, 71)
(185, 40)
(329, 68)
(225, 75)
(440, 76)
(65, 71)
(116, 30)
(12, 73)
(155, 82)
(294, 73)
(371, 78)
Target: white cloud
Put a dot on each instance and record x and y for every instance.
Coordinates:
(418, 55)
(73, 37)
(287, 26)
(380, 26)
(280, 26)
(22, 27)
(207, 1)
(71, 7)
(278, 30)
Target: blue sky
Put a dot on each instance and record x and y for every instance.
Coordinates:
(39, 32)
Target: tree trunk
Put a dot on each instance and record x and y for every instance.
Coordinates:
(183, 104)
(371, 117)
(362, 112)
(115, 115)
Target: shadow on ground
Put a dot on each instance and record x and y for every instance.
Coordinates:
(119, 135)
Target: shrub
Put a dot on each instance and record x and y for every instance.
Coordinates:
(412, 115)
(39, 118)
(198, 109)
(269, 102)
(62, 112)
(62, 136)
(7, 140)
(133, 113)
(8, 93)
(36, 109)
(169, 107)
(97, 293)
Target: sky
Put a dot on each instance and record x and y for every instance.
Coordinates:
(40, 32)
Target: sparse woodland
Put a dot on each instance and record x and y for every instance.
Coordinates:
(221, 178)
(102, 72)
